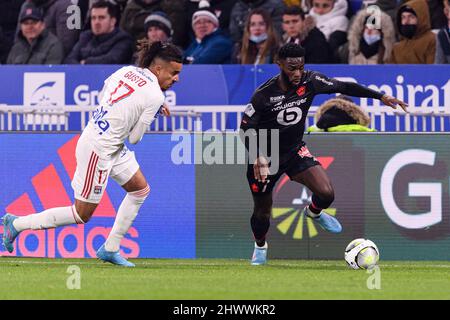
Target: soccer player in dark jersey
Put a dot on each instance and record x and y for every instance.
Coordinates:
(282, 103)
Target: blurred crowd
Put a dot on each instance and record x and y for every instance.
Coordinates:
(225, 31)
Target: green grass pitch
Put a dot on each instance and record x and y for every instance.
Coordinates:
(209, 279)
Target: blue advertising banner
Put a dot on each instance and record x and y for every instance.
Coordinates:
(36, 170)
(419, 85)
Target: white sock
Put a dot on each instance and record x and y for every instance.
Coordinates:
(311, 214)
(50, 218)
(265, 246)
(128, 211)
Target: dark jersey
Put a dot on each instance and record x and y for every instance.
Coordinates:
(273, 108)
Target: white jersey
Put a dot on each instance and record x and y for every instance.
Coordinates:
(129, 95)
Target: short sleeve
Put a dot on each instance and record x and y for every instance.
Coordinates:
(252, 112)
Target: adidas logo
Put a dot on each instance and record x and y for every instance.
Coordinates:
(293, 216)
(51, 192)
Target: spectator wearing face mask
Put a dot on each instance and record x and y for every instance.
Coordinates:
(240, 12)
(370, 43)
(443, 38)
(259, 43)
(436, 10)
(418, 42)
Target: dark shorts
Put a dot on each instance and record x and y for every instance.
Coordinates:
(299, 162)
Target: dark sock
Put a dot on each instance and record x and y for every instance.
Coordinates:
(259, 228)
(314, 209)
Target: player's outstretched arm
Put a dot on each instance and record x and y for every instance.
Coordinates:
(393, 102)
(357, 90)
(323, 84)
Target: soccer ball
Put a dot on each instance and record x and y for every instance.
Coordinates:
(362, 254)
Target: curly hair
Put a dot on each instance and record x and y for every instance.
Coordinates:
(291, 50)
(149, 51)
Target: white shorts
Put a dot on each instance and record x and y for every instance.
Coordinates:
(93, 169)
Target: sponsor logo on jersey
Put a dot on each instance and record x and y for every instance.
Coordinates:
(97, 189)
(249, 110)
(276, 99)
(295, 103)
(301, 91)
(304, 152)
(323, 80)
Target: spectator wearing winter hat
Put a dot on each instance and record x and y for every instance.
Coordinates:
(34, 43)
(221, 8)
(211, 45)
(418, 42)
(136, 11)
(158, 27)
(437, 15)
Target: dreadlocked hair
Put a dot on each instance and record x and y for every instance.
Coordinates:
(149, 51)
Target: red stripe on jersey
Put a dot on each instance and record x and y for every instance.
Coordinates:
(91, 178)
(87, 173)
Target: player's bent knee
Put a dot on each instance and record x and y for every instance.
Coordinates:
(83, 211)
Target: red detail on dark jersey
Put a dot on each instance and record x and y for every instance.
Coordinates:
(255, 187)
(304, 152)
(324, 161)
(301, 90)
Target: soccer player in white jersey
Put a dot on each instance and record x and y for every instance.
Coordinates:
(130, 100)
